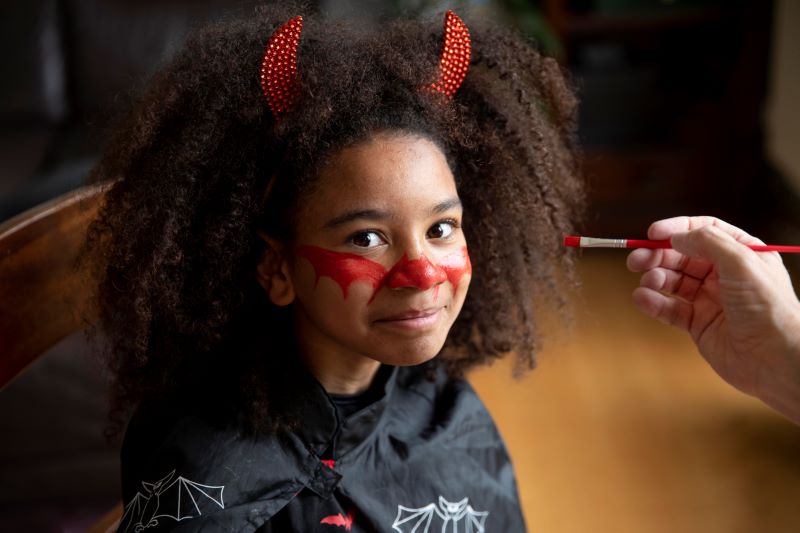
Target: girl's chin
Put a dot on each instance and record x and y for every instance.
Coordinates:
(413, 355)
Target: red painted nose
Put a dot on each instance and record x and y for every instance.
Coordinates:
(419, 273)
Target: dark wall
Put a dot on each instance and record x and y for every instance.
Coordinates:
(69, 67)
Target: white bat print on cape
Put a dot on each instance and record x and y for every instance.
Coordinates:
(178, 499)
(458, 517)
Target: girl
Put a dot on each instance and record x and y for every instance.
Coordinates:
(297, 212)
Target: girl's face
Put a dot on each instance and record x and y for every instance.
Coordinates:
(380, 269)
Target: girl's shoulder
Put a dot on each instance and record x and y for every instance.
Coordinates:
(173, 451)
(427, 396)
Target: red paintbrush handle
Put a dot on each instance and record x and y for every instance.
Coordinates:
(774, 248)
(643, 243)
(593, 242)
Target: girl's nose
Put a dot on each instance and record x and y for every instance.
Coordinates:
(418, 273)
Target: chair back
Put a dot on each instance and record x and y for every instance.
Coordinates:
(43, 296)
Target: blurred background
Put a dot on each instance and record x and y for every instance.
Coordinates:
(688, 107)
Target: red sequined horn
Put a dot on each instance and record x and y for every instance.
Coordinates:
(456, 54)
(279, 79)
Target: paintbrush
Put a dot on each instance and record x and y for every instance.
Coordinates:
(593, 242)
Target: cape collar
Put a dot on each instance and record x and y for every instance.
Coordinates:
(323, 429)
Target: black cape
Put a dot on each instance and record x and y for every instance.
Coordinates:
(424, 457)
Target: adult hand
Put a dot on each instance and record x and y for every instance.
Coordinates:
(738, 305)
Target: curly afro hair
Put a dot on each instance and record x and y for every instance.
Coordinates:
(175, 245)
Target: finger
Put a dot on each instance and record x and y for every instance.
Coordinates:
(731, 258)
(668, 310)
(643, 259)
(665, 229)
(671, 282)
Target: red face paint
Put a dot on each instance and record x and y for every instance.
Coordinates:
(456, 265)
(345, 269)
(419, 273)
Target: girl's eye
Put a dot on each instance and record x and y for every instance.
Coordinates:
(366, 239)
(441, 230)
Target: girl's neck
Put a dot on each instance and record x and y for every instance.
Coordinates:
(347, 376)
(342, 372)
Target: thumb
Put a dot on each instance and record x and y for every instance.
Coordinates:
(729, 256)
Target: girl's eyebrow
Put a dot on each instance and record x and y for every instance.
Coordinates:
(379, 214)
(360, 214)
(446, 205)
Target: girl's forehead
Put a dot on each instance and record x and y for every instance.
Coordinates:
(385, 166)
(398, 175)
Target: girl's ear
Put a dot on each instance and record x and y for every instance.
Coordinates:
(272, 272)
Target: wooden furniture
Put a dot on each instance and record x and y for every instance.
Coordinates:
(43, 295)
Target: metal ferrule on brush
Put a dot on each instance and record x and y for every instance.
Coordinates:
(592, 242)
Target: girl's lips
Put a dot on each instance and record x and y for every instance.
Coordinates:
(413, 319)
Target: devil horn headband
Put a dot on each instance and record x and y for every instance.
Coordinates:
(280, 82)
(455, 57)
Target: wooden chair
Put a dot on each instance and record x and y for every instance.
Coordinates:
(42, 295)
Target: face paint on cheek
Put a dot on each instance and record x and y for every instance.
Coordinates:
(343, 268)
(456, 265)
